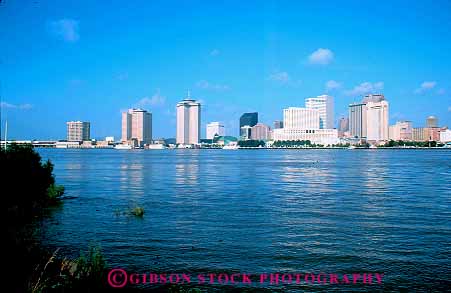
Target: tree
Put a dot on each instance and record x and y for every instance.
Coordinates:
(27, 183)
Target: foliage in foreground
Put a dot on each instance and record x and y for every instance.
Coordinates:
(28, 188)
(28, 184)
(87, 272)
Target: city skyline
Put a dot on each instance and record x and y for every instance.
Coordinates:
(278, 64)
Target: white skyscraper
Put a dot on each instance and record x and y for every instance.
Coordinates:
(188, 121)
(377, 121)
(324, 104)
(137, 125)
(215, 128)
(300, 118)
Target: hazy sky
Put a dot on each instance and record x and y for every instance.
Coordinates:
(88, 60)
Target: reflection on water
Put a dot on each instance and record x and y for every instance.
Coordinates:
(261, 211)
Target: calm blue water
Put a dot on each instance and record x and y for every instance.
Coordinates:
(264, 211)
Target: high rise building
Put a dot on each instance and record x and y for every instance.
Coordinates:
(249, 119)
(78, 131)
(402, 130)
(188, 121)
(431, 121)
(278, 124)
(301, 118)
(375, 98)
(369, 119)
(343, 124)
(357, 120)
(377, 121)
(215, 128)
(260, 131)
(324, 104)
(137, 126)
(246, 132)
(343, 127)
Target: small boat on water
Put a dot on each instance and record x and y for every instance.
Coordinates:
(352, 147)
(123, 147)
(373, 146)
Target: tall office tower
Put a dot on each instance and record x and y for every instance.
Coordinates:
(249, 119)
(78, 131)
(375, 98)
(188, 121)
(300, 118)
(402, 130)
(343, 124)
(137, 125)
(215, 128)
(278, 124)
(260, 131)
(377, 121)
(324, 104)
(432, 121)
(357, 120)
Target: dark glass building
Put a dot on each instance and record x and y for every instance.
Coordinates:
(250, 119)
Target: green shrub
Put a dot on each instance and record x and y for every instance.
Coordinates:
(138, 211)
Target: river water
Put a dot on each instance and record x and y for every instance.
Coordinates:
(261, 212)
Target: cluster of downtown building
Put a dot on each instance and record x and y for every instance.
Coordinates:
(314, 122)
(368, 121)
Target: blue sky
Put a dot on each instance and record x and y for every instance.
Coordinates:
(88, 60)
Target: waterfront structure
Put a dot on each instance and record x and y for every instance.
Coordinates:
(137, 127)
(431, 121)
(377, 121)
(445, 135)
(261, 131)
(402, 130)
(215, 128)
(278, 124)
(301, 118)
(304, 124)
(358, 120)
(250, 119)
(324, 104)
(188, 122)
(78, 131)
(109, 139)
(224, 140)
(316, 136)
